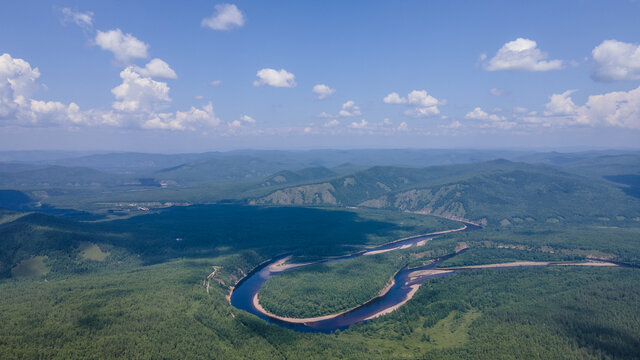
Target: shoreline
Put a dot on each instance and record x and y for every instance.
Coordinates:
(414, 289)
(361, 252)
(381, 293)
(531, 264)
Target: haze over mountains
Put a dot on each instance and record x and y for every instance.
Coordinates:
(432, 181)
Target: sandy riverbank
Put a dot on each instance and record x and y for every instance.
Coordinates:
(388, 310)
(256, 303)
(280, 265)
(533, 263)
(418, 273)
(414, 289)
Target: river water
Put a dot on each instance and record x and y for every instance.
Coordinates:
(247, 288)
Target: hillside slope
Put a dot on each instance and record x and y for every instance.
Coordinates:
(496, 191)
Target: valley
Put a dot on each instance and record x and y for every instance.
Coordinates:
(383, 246)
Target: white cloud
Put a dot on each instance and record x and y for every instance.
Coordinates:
(420, 98)
(215, 82)
(235, 124)
(198, 97)
(324, 115)
(332, 123)
(84, 20)
(276, 78)
(561, 104)
(307, 130)
(138, 99)
(394, 98)
(359, 125)
(157, 68)
(225, 17)
(248, 119)
(422, 104)
(520, 110)
(125, 47)
(403, 126)
(183, 120)
(323, 91)
(479, 114)
(618, 108)
(387, 122)
(17, 84)
(423, 111)
(139, 93)
(616, 60)
(498, 92)
(54, 112)
(521, 55)
(349, 108)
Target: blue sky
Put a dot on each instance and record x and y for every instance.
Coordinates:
(205, 75)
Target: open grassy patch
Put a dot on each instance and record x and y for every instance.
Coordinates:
(32, 267)
(452, 331)
(91, 251)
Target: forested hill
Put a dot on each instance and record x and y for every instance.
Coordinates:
(499, 191)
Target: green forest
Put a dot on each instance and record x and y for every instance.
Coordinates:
(84, 275)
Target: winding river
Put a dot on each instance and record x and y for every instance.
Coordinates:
(405, 284)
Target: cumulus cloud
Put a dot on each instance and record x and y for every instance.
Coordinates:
(423, 111)
(616, 109)
(420, 102)
(332, 123)
(521, 55)
(83, 20)
(125, 47)
(275, 78)
(420, 98)
(225, 17)
(394, 98)
(359, 125)
(139, 99)
(349, 108)
(616, 60)
(561, 104)
(17, 84)
(323, 91)
(215, 82)
(479, 114)
(403, 126)
(139, 93)
(235, 124)
(191, 119)
(248, 119)
(157, 68)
